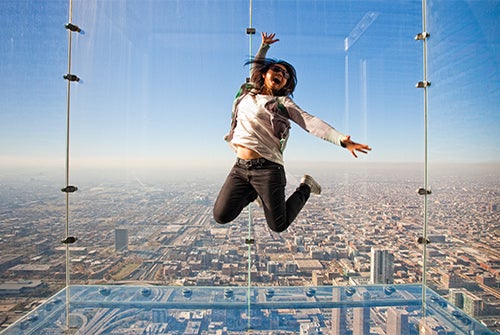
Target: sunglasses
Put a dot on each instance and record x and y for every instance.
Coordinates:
(278, 69)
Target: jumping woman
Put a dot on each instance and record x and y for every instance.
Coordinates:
(260, 126)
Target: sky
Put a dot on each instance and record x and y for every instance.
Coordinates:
(158, 79)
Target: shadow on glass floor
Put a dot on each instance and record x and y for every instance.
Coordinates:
(394, 309)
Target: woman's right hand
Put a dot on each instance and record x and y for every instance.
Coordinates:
(268, 39)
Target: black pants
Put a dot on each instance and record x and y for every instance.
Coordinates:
(259, 177)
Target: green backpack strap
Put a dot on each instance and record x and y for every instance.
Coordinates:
(244, 90)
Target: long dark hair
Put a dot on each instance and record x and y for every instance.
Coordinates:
(260, 66)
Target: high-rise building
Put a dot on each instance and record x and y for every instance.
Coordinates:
(382, 266)
(121, 239)
(339, 319)
(397, 322)
(473, 305)
(158, 315)
(451, 280)
(456, 297)
(361, 316)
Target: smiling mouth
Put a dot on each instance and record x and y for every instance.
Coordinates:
(277, 80)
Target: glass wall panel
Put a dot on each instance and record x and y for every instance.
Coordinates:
(463, 68)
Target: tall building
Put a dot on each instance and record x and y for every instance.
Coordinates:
(361, 316)
(451, 280)
(456, 297)
(339, 315)
(382, 266)
(121, 239)
(397, 322)
(473, 305)
(158, 315)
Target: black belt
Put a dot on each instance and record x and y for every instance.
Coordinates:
(255, 163)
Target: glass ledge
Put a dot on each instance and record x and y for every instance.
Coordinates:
(374, 309)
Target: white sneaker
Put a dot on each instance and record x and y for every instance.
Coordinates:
(313, 184)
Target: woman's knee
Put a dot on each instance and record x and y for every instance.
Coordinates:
(278, 226)
(221, 217)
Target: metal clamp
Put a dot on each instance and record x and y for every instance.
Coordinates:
(249, 241)
(70, 240)
(69, 189)
(423, 84)
(422, 36)
(71, 77)
(423, 191)
(71, 27)
(422, 240)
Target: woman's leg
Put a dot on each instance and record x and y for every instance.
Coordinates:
(270, 182)
(235, 194)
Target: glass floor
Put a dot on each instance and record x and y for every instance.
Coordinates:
(395, 309)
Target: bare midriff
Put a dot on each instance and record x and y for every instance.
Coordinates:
(246, 154)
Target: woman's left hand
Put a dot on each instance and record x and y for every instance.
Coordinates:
(353, 146)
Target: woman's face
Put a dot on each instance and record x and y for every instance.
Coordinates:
(276, 77)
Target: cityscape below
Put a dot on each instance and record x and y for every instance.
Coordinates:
(365, 229)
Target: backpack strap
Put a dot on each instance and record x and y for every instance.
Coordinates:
(242, 92)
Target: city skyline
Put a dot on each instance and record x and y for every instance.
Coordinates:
(173, 239)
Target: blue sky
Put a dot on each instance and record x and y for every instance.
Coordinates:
(158, 78)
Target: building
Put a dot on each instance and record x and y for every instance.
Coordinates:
(121, 239)
(339, 315)
(361, 316)
(273, 267)
(473, 305)
(397, 322)
(310, 329)
(21, 288)
(451, 280)
(158, 315)
(290, 268)
(456, 297)
(382, 266)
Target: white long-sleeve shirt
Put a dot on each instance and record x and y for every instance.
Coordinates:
(262, 123)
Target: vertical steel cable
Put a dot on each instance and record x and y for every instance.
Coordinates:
(250, 26)
(68, 104)
(426, 181)
(249, 238)
(249, 274)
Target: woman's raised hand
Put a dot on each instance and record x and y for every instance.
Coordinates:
(268, 38)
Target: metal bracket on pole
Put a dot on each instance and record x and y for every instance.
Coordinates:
(422, 240)
(423, 191)
(422, 36)
(72, 27)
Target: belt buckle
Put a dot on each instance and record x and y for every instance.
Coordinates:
(245, 162)
(259, 163)
(252, 163)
